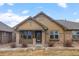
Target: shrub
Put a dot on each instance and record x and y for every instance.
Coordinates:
(13, 45)
(50, 44)
(68, 43)
(24, 45)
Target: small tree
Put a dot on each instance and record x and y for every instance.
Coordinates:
(13, 45)
(50, 44)
(24, 45)
(68, 43)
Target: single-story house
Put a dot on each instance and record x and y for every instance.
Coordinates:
(42, 30)
(5, 33)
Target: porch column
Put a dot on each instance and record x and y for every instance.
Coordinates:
(17, 38)
(34, 39)
(43, 38)
(34, 42)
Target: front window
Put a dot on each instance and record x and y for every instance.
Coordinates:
(75, 34)
(26, 34)
(29, 34)
(54, 35)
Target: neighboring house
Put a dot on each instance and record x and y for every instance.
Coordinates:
(5, 33)
(42, 29)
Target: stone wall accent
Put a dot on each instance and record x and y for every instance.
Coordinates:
(17, 38)
(43, 38)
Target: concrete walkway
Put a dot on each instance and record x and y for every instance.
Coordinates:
(44, 48)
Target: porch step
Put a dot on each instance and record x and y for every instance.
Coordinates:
(38, 46)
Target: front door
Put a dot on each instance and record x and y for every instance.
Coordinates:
(38, 36)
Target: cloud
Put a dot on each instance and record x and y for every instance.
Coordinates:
(73, 20)
(24, 11)
(63, 5)
(40, 9)
(11, 18)
(10, 4)
(75, 13)
(9, 11)
(1, 4)
(76, 20)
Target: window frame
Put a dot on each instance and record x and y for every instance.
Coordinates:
(53, 33)
(29, 35)
(25, 34)
(76, 34)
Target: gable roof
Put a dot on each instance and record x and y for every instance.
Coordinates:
(30, 18)
(4, 27)
(66, 25)
(51, 19)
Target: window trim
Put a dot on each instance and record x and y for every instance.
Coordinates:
(26, 34)
(29, 35)
(54, 34)
(75, 33)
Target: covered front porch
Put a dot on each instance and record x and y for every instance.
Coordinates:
(30, 32)
(32, 38)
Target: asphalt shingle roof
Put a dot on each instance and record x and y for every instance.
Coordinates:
(69, 24)
(4, 27)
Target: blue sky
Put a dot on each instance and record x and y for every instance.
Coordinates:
(12, 14)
